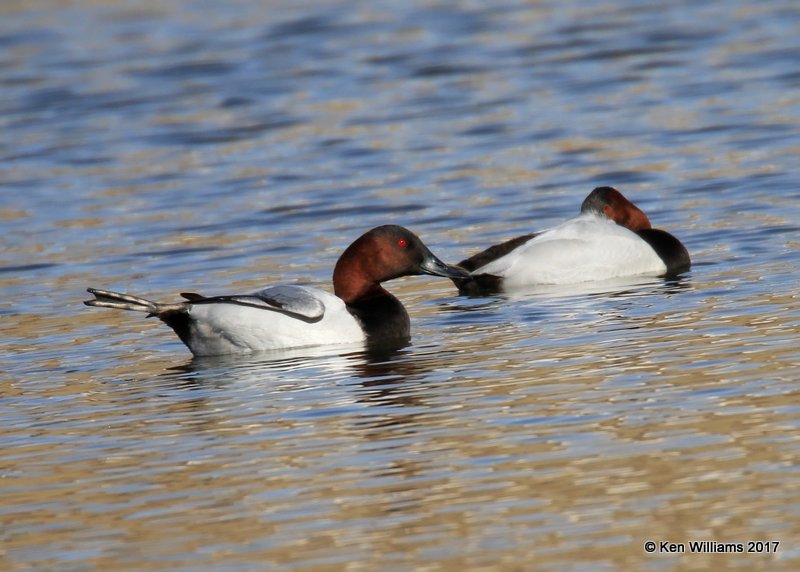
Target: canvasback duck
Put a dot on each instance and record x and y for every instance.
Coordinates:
(287, 316)
(610, 238)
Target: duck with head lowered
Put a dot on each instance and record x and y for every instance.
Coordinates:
(610, 238)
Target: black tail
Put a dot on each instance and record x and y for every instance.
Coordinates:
(108, 299)
(482, 284)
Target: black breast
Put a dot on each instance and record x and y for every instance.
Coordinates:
(668, 248)
(383, 318)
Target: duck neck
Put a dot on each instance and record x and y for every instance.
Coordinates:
(352, 281)
(381, 315)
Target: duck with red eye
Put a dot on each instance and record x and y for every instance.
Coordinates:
(287, 316)
(611, 238)
(393, 252)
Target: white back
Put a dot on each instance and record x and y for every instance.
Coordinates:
(588, 247)
(225, 328)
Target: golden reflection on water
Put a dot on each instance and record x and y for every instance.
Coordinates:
(550, 429)
(633, 440)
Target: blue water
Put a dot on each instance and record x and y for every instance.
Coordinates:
(218, 147)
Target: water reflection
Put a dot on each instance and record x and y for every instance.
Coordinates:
(388, 391)
(550, 428)
(378, 364)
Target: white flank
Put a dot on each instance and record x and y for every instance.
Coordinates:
(582, 249)
(224, 328)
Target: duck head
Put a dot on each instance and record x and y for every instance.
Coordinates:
(609, 202)
(384, 253)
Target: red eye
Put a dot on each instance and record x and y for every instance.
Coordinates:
(402, 243)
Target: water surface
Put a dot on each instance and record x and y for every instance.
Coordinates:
(218, 147)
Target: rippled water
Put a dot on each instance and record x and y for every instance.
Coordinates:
(220, 146)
